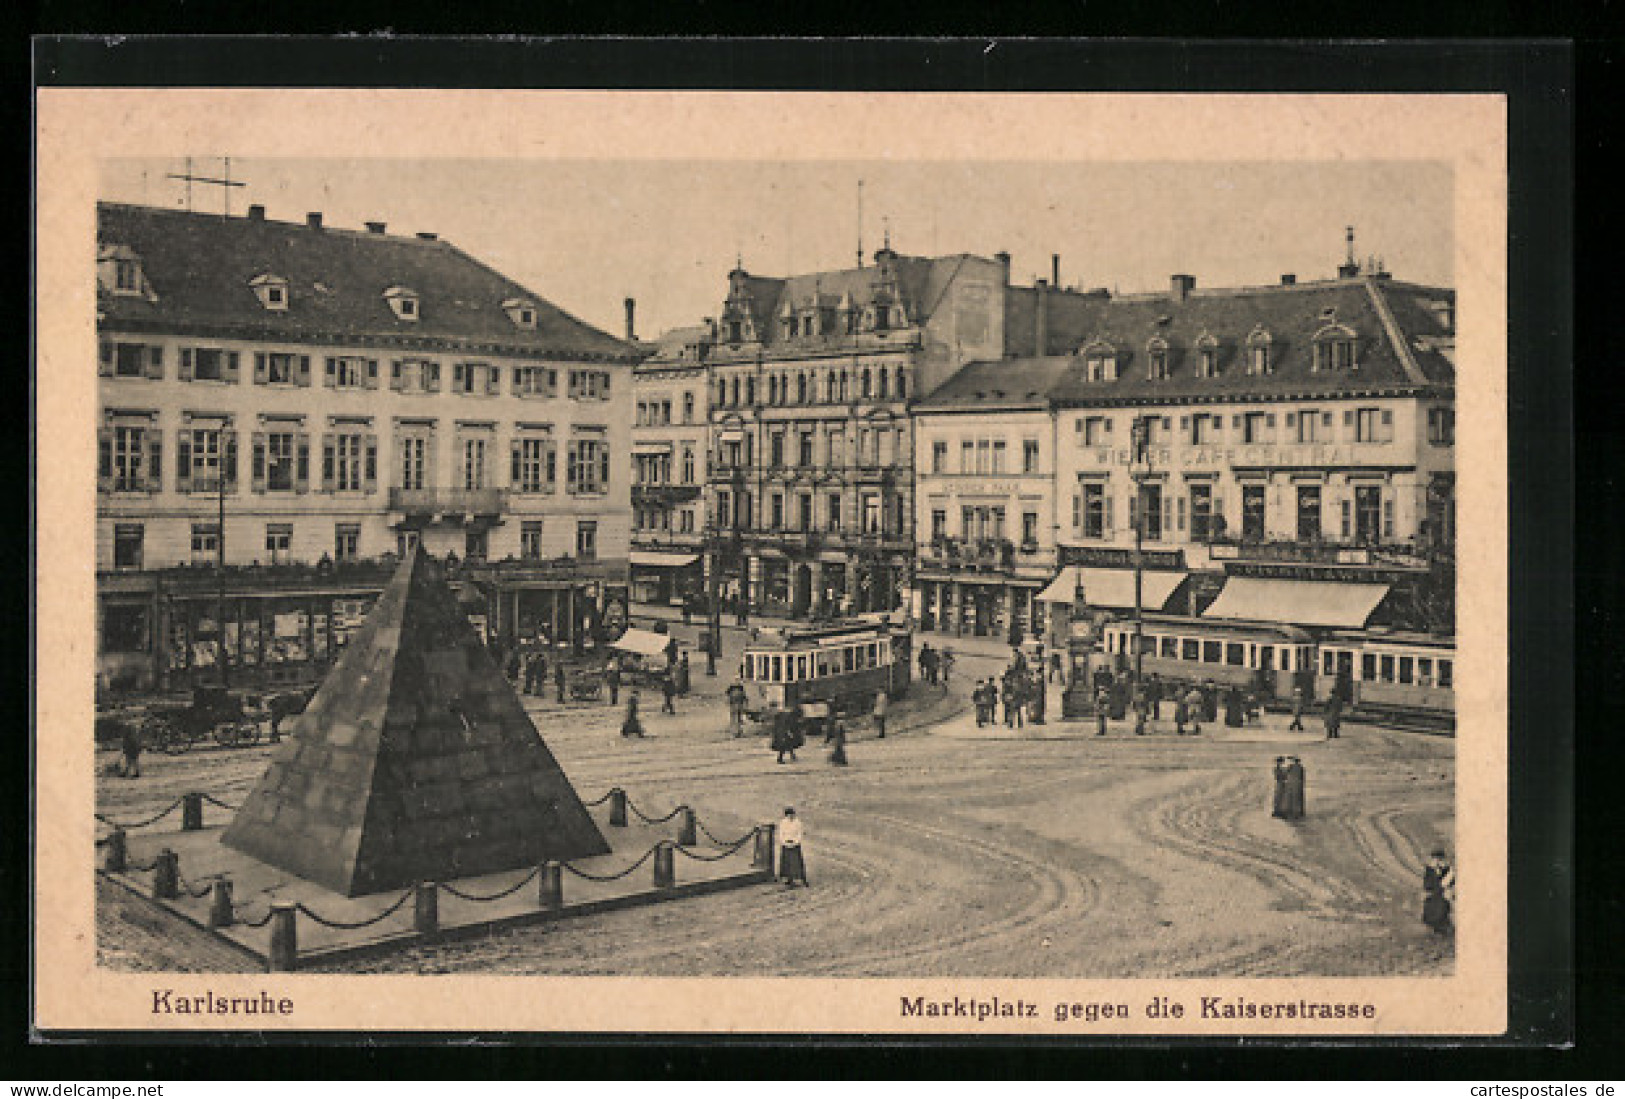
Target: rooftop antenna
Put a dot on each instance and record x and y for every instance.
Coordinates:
(886, 221)
(223, 181)
(860, 223)
(1349, 235)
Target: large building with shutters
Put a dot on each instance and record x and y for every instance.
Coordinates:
(300, 402)
(1297, 431)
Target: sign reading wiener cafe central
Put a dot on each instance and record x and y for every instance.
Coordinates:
(1250, 454)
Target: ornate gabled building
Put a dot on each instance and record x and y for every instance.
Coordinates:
(810, 478)
(1300, 430)
(284, 407)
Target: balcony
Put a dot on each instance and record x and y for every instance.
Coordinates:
(664, 493)
(448, 501)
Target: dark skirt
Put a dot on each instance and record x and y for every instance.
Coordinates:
(791, 866)
(1436, 911)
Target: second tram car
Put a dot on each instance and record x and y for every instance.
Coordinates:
(845, 665)
(1179, 649)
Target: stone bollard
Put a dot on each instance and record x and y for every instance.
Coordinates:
(687, 833)
(665, 871)
(118, 851)
(550, 886)
(220, 914)
(192, 813)
(617, 807)
(284, 954)
(166, 876)
(426, 909)
(762, 856)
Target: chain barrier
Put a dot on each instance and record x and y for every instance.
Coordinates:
(720, 855)
(340, 925)
(211, 799)
(647, 855)
(195, 894)
(261, 922)
(176, 804)
(599, 801)
(141, 868)
(646, 819)
(481, 898)
(700, 824)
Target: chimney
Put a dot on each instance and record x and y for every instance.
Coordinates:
(314, 219)
(256, 212)
(1055, 270)
(1181, 286)
(428, 236)
(1289, 280)
(631, 313)
(375, 227)
(1004, 261)
(1041, 314)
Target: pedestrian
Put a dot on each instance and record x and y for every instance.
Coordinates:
(710, 657)
(784, 735)
(1196, 707)
(1334, 718)
(1278, 806)
(837, 754)
(1153, 694)
(1141, 704)
(558, 680)
(792, 860)
(1012, 703)
(1210, 701)
(131, 748)
(1182, 714)
(1298, 701)
(1294, 789)
(684, 683)
(978, 697)
(668, 691)
(1036, 687)
(612, 679)
(945, 665)
(631, 726)
(881, 703)
(1438, 893)
(1055, 667)
(1103, 701)
(736, 708)
(1232, 708)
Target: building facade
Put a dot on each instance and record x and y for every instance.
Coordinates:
(671, 450)
(811, 478)
(285, 406)
(1299, 430)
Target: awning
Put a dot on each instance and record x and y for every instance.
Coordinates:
(663, 558)
(1298, 602)
(1113, 587)
(642, 642)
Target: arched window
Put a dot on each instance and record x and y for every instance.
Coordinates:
(1335, 348)
(866, 383)
(1207, 357)
(1258, 351)
(1100, 361)
(1156, 354)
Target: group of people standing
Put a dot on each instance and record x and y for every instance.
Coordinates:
(935, 664)
(1019, 690)
(1289, 788)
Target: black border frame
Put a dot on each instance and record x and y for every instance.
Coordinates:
(1538, 77)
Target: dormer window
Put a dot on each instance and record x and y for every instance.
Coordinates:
(1335, 349)
(1100, 362)
(1258, 352)
(127, 275)
(118, 270)
(272, 290)
(1156, 354)
(1207, 357)
(402, 302)
(522, 313)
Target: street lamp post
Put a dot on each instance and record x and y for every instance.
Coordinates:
(220, 569)
(1141, 465)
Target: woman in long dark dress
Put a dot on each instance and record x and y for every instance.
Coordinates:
(837, 754)
(632, 726)
(784, 736)
(1294, 789)
(1438, 884)
(1279, 809)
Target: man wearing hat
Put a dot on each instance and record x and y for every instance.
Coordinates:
(792, 867)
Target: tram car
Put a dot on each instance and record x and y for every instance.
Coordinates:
(1395, 673)
(1264, 656)
(844, 665)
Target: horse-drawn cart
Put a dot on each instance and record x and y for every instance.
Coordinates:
(214, 713)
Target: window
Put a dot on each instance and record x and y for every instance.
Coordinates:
(688, 461)
(1212, 652)
(1258, 352)
(209, 363)
(536, 381)
(1204, 428)
(280, 449)
(688, 404)
(1252, 513)
(586, 466)
(1308, 513)
(804, 511)
(473, 378)
(1372, 425)
(1029, 455)
(127, 545)
(686, 521)
(205, 543)
(472, 474)
(997, 465)
(1096, 430)
(939, 524)
(205, 455)
(1029, 528)
(1235, 653)
(124, 629)
(1100, 364)
(129, 459)
(1156, 354)
(775, 450)
(1151, 500)
(1207, 357)
(346, 541)
(1442, 426)
(476, 543)
(1308, 424)
(1095, 505)
(776, 510)
(967, 456)
(939, 457)
(1201, 497)
(134, 360)
(587, 539)
(278, 542)
(126, 275)
(1258, 427)
(347, 459)
(1334, 350)
(832, 516)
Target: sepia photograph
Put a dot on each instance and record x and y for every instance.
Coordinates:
(934, 586)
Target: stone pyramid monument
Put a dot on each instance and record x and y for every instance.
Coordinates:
(413, 762)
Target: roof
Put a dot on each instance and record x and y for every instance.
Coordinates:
(1113, 588)
(1312, 603)
(200, 268)
(642, 642)
(1401, 332)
